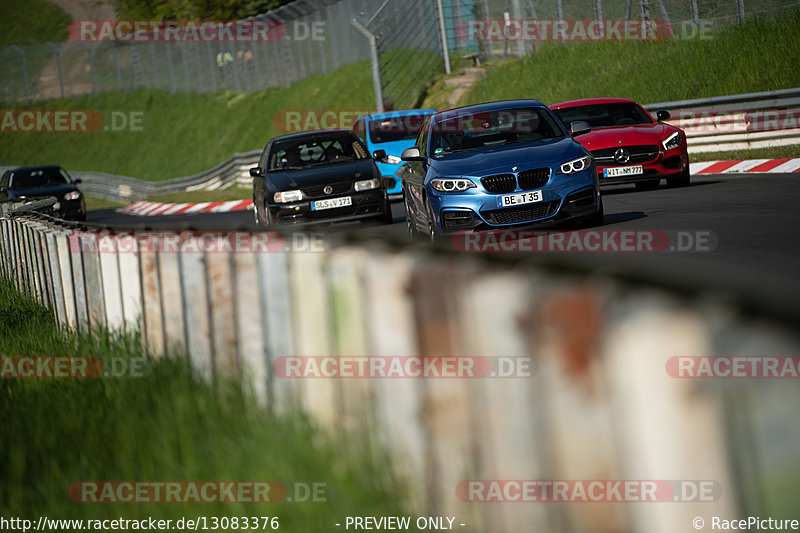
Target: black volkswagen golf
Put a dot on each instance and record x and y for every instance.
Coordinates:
(32, 183)
(318, 176)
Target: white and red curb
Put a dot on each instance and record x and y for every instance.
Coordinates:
(772, 166)
(143, 208)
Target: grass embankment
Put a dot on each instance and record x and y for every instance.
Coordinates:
(32, 22)
(183, 134)
(758, 55)
(165, 426)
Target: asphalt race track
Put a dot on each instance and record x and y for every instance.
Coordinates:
(754, 220)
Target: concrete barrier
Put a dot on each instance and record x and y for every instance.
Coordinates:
(597, 402)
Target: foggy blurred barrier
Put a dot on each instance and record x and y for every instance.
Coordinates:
(599, 404)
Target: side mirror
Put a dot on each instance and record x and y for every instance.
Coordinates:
(579, 127)
(77, 181)
(256, 172)
(379, 156)
(411, 154)
(662, 114)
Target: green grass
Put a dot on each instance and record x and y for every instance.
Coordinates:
(758, 55)
(32, 22)
(165, 426)
(93, 203)
(778, 152)
(183, 134)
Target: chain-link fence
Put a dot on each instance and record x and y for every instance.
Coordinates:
(403, 37)
(315, 37)
(481, 29)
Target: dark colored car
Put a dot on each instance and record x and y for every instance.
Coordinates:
(318, 176)
(495, 166)
(627, 144)
(35, 183)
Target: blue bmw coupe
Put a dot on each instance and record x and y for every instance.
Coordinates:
(495, 166)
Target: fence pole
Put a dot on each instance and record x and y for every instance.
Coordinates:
(740, 10)
(21, 53)
(443, 33)
(376, 68)
(57, 50)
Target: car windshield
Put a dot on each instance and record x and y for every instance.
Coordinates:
(312, 151)
(395, 128)
(604, 115)
(460, 131)
(37, 178)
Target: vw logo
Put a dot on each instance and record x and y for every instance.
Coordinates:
(621, 155)
(328, 189)
(514, 169)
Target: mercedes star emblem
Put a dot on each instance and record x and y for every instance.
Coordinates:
(621, 155)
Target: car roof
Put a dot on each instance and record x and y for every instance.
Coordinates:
(314, 133)
(399, 113)
(40, 167)
(487, 106)
(591, 101)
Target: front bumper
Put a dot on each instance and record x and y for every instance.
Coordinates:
(365, 205)
(576, 197)
(666, 164)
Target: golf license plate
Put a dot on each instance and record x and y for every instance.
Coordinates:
(623, 171)
(523, 198)
(331, 203)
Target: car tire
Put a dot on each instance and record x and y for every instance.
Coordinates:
(259, 222)
(387, 217)
(649, 185)
(433, 235)
(681, 180)
(592, 221)
(411, 228)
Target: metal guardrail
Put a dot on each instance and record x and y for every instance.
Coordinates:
(598, 343)
(737, 122)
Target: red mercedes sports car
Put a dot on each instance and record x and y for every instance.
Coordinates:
(627, 144)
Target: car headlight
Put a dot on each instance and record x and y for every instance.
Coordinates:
(576, 165)
(366, 185)
(73, 195)
(672, 141)
(288, 196)
(452, 184)
(393, 160)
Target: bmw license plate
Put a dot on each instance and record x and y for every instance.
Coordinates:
(510, 200)
(623, 171)
(331, 203)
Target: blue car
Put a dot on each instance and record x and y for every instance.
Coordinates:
(391, 132)
(495, 166)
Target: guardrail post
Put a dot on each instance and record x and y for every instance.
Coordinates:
(131, 286)
(221, 309)
(78, 278)
(196, 313)
(54, 274)
(110, 279)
